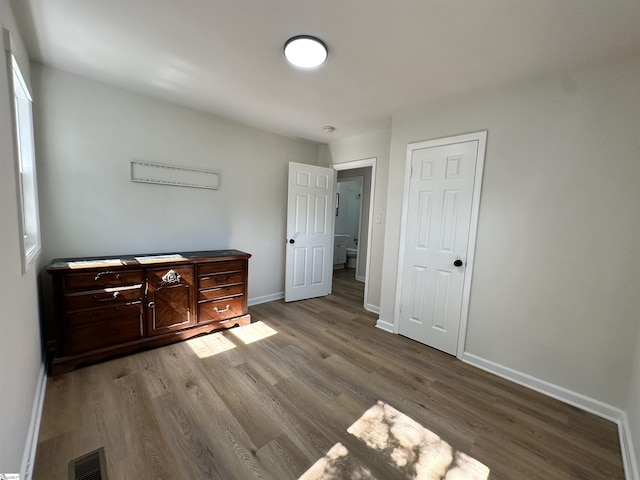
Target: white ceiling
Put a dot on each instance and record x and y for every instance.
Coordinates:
(225, 56)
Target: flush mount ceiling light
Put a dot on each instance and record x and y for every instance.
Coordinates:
(304, 51)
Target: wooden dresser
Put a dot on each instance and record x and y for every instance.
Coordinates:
(110, 306)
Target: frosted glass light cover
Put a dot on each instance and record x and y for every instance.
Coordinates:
(305, 52)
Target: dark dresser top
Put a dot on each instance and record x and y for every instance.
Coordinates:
(120, 261)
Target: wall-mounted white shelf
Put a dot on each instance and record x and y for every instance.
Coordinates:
(158, 173)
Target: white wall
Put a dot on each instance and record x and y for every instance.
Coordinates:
(19, 322)
(374, 145)
(555, 287)
(88, 134)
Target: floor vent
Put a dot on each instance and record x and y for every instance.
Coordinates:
(91, 466)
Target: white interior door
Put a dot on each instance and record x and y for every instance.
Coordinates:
(436, 240)
(310, 211)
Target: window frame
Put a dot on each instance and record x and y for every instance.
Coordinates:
(25, 160)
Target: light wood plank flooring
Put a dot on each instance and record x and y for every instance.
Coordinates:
(313, 390)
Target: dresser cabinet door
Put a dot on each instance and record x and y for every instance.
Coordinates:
(169, 299)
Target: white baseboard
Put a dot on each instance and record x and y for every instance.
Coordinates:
(578, 400)
(559, 393)
(280, 295)
(361, 278)
(26, 469)
(384, 325)
(628, 453)
(372, 308)
(265, 298)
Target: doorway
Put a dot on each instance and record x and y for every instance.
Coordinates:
(358, 236)
(349, 225)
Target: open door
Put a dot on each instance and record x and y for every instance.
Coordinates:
(310, 210)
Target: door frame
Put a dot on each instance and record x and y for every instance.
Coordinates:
(352, 165)
(481, 138)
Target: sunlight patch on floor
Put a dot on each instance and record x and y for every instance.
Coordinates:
(337, 464)
(210, 345)
(215, 343)
(415, 451)
(253, 332)
(414, 448)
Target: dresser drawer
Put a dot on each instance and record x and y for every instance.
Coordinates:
(97, 315)
(213, 281)
(102, 279)
(223, 292)
(101, 298)
(101, 335)
(221, 309)
(220, 267)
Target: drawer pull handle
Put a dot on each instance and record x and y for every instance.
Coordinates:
(106, 299)
(115, 274)
(170, 278)
(217, 310)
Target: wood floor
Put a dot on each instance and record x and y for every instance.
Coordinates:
(313, 390)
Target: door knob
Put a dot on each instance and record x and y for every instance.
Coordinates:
(457, 263)
(291, 240)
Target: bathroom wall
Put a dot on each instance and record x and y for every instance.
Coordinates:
(364, 242)
(348, 217)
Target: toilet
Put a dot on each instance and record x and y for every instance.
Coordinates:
(352, 257)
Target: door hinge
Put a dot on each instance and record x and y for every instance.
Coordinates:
(411, 172)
